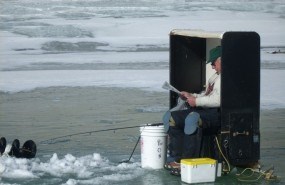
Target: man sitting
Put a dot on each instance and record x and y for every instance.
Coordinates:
(181, 125)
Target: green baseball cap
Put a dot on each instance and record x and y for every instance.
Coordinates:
(214, 54)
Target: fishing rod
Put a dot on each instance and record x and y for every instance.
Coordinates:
(49, 141)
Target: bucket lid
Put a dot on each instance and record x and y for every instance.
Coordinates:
(157, 129)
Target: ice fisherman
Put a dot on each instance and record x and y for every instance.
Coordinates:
(202, 112)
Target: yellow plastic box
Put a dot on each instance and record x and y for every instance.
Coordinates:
(198, 170)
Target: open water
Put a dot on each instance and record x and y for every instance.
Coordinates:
(77, 66)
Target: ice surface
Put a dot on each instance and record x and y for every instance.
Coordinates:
(68, 43)
(106, 43)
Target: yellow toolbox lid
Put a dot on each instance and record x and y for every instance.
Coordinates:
(198, 161)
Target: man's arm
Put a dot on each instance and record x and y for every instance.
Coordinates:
(210, 100)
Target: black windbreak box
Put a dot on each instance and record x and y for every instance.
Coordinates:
(240, 84)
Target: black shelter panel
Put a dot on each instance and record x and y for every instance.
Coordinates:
(187, 64)
(240, 96)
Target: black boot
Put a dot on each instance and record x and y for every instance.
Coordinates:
(15, 149)
(29, 149)
(2, 145)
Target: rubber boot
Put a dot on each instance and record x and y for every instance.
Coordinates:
(29, 149)
(15, 150)
(2, 145)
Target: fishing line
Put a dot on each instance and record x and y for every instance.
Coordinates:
(126, 161)
(154, 124)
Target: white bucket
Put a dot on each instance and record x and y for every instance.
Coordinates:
(153, 147)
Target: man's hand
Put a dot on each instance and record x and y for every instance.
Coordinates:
(185, 95)
(192, 101)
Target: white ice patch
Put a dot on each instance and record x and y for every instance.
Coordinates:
(122, 172)
(16, 168)
(90, 168)
(272, 90)
(16, 81)
(155, 108)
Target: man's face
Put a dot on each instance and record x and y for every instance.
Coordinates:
(217, 65)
